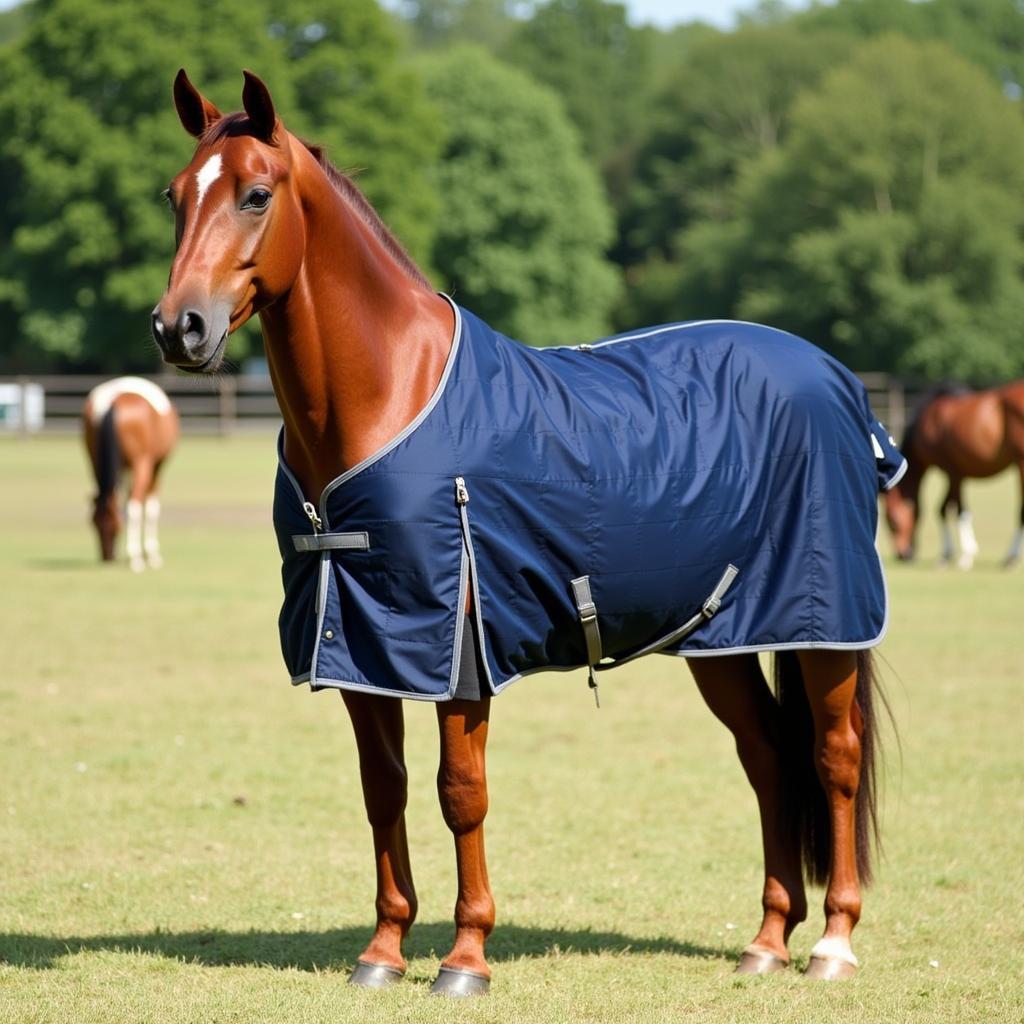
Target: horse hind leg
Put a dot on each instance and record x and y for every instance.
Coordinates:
(837, 686)
(1013, 555)
(735, 690)
(142, 479)
(151, 521)
(379, 727)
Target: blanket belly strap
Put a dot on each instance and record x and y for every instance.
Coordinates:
(357, 541)
(587, 610)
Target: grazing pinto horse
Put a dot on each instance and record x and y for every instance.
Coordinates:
(129, 423)
(488, 510)
(965, 434)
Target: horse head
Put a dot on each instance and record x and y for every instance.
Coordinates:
(901, 516)
(239, 228)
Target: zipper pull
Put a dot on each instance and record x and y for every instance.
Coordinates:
(461, 493)
(310, 509)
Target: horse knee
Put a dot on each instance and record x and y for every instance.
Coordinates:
(463, 796)
(386, 795)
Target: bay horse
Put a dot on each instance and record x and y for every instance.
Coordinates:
(966, 434)
(129, 423)
(360, 347)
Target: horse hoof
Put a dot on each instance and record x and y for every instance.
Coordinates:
(760, 961)
(451, 981)
(829, 968)
(367, 975)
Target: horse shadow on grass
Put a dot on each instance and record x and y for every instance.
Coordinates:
(337, 948)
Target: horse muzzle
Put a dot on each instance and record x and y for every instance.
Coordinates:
(194, 340)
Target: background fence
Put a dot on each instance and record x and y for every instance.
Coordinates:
(207, 405)
(223, 405)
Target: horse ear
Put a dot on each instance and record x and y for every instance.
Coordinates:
(196, 112)
(259, 106)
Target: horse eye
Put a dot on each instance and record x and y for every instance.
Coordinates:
(257, 199)
(167, 197)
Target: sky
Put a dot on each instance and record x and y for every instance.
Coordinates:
(670, 12)
(657, 12)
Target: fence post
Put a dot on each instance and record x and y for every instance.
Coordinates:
(228, 404)
(22, 383)
(897, 409)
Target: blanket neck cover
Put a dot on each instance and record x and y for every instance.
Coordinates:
(622, 478)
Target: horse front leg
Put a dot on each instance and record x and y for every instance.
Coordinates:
(735, 690)
(379, 727)
(950, 503)
(830, 681)
(462, 788)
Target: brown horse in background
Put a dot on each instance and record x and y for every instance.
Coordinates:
(965, 434)
(357, 340)
(129, 423)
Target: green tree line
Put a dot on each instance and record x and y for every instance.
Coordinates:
(851, 172)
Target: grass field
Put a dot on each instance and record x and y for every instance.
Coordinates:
(181, 838)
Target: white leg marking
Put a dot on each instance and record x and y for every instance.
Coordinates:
(151, 543)
(133, 540)
(968, 542)
(1015, 546)
(206, 176)
(832, 947)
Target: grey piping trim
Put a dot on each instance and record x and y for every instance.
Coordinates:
(321, 610)
(313, 679)
(467, 538)
(356, 541)
(896, 477)
(404, 433)
(460, 619)
(813, 645)
(496, 688)
(707, 612)
(589, 347)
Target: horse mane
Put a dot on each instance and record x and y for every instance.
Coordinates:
(239, 124)
(945, 390)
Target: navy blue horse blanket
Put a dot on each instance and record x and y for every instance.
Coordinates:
(701, 488)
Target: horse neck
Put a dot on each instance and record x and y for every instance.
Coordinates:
(356, 347)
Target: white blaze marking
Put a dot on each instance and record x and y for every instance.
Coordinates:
(206, 176)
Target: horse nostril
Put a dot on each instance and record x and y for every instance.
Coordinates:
(192, 328)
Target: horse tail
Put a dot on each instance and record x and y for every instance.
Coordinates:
(108, 457)
(804, 799)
